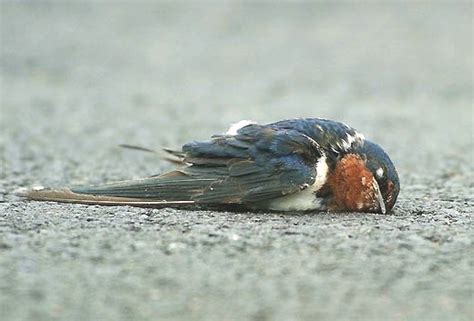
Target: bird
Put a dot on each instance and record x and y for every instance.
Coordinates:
(301, 164)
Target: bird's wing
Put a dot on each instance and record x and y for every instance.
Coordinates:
(257, 164)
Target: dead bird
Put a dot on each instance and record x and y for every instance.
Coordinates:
(291, 165)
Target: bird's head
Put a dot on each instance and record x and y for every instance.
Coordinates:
(364, 180)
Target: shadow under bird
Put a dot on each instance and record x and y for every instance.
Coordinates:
(291, 165)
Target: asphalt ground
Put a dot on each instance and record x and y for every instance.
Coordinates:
(79, 79)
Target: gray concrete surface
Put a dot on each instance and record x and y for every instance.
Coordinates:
(79, 79)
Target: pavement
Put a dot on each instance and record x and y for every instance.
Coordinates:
(79, 79)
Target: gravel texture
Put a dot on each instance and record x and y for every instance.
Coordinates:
(77, 80)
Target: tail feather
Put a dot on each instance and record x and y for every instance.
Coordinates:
(67, 196)
(168, 189)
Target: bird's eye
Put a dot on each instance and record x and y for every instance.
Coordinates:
(379, 172)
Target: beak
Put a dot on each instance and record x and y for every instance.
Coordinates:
(379, 197)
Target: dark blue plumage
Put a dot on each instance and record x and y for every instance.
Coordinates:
(297, 164)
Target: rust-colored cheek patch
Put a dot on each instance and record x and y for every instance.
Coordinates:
(351, 185)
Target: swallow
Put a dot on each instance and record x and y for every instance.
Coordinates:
(309, 164)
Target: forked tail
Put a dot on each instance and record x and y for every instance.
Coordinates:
(68, 196)
(174, 188)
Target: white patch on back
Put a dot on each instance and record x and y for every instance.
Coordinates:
(306, 199)
(234, 128)
(350, 139)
